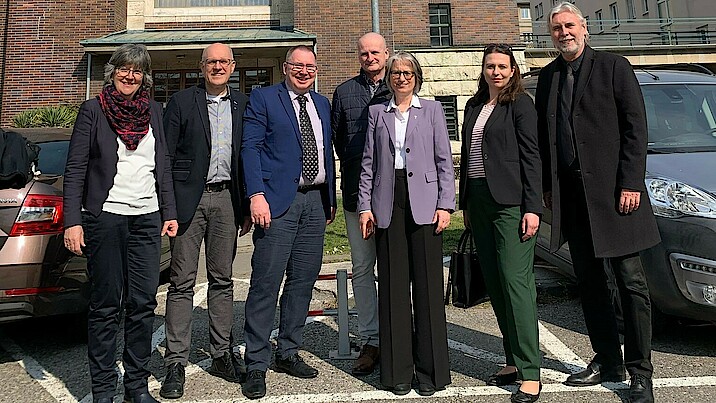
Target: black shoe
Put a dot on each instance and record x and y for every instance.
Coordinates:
(255, 386)
(143, 397)
(595, 374)
(295, 366)
(641, 390)
(426, 390)
(497, 379)
(223, 367)
(524, 397)
(103, 400)
(173, 385)
(402, 389)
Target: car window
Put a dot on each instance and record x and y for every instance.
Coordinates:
(680, 117)
(53, 157)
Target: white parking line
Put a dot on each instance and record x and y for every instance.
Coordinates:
(49, 382)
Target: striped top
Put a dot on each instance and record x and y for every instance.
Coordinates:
(475, 166)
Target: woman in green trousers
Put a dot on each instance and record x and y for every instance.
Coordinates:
(501, 197)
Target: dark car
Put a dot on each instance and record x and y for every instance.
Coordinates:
(38, 276)
(681, 185)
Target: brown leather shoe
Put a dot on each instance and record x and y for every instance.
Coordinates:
(367, 360)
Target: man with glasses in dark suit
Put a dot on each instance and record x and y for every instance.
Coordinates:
(204, 127)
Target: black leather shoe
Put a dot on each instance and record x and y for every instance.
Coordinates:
(426, 390)
(595, 374)
(173, 385)
(641, 390)
(255, 386)
(295, 366)
(497, 379)
(402, 389)
(143, 397)
(223, 367)
(103, 400)
(524, 397)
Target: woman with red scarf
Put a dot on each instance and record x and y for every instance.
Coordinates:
(119, 201)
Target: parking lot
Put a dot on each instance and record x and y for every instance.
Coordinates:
(45, 360)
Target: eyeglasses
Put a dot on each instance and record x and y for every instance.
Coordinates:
(222, 62)
(500, 46)
(310, 68)
(123, 72)
(407, 74)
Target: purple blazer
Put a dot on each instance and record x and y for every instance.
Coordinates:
(431, 177)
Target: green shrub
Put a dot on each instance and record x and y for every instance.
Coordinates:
(47, 116)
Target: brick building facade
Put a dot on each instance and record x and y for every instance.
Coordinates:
(43, 63)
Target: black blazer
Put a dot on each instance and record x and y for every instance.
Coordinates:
(92, 164)
(186, 123)
(510, 153)
(609, 121)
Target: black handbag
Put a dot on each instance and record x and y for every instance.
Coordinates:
(465, 280)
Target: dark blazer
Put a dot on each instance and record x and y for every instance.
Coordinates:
(510, 153)
(610, 133)
(92, 164)
(431, 176)
(186, 123)
(271, 151)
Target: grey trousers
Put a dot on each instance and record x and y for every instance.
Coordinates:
(213, 223)
(363, 281)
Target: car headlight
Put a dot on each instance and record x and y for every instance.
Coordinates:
(671, 198)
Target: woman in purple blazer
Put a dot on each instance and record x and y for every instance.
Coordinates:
(406, 194)
(500, 193)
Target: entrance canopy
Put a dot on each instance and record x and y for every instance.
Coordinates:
(197, 39)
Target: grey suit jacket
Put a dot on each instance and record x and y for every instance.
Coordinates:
(431, 177)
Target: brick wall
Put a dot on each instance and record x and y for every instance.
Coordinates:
(45, 63)
(404, 25)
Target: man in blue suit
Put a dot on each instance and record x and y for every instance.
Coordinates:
(290, 180)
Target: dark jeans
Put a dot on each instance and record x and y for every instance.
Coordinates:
(599, 314)
(123, 264)
(293, 245)
(214, 224)
(413, 330)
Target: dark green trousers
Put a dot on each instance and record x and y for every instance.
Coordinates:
(507, 265)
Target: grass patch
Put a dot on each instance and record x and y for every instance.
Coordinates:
(336, 240)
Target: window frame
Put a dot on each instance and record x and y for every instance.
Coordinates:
(450, 102)
(443, 10)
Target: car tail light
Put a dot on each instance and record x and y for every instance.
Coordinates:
(19, 292)
(39, 214)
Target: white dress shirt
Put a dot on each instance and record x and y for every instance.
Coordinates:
(401, 126)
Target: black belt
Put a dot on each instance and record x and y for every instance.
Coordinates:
(308, 188)
(216, 186)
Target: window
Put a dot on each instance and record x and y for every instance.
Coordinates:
(614, 12)
(600, 20)
(524, 11)
(631, 12)
(645, 3)
(168, 83)
(209, 3)
(450, 108)
(539, 12)
(440, 25)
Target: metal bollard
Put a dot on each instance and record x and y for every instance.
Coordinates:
(344, 351)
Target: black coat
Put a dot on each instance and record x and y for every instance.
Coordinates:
(92, 164)
(510, 154)
(349, 122)
(610, 133)
(186, 123)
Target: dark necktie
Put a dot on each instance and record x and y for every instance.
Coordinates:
(308, 140)
(564, 134)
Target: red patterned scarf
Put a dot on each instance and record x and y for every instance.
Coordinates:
(129, 119)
